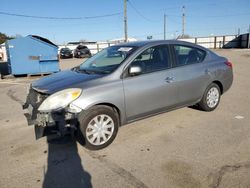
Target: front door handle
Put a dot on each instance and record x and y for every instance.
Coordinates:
(169, 79)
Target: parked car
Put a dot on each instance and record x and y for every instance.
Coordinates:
(108, 91)
(66, 53)
(82, 51)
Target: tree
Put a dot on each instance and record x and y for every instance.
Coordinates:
(4, 37)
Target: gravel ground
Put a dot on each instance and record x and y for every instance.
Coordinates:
(182, 148)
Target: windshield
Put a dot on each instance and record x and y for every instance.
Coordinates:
(65, 50)
(107, 60)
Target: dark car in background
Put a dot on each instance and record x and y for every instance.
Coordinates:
(82, 51)
(66, 53)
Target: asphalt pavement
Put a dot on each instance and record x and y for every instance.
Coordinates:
(183, 148)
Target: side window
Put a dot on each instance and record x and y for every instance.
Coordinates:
(153, 59)
(187, 55)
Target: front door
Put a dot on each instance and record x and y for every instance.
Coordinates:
(152, 90)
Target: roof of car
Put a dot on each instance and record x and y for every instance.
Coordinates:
(148, 42)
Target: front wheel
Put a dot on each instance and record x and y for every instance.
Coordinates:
(98, 126)
(211, 98)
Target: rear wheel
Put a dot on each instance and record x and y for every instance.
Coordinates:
(99, 126)
(211, 98)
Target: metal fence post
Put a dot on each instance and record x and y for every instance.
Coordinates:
(248, 38)
(215, 42)
(97, 47)
(224, 38)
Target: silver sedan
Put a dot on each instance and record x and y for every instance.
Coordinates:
(124, 83)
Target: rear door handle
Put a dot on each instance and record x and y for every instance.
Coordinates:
(169, 79)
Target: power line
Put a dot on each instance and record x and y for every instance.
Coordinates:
(38, 17)
(102, 16)
(138, 12)
(217, 16)
(59, 18)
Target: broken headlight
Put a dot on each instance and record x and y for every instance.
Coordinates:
(60, 99)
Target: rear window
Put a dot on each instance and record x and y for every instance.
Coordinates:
(186, 55)
(65, 49)
(81, 47)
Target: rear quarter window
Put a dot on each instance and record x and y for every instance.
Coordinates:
(186, 55)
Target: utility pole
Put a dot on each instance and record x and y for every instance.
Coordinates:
(248, 46)
(165, 26)
(183, 20)
(238, 31)
(125, 22)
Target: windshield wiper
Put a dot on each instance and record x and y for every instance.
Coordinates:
(90, 71)
(77, 69)
(86, 71)
(101, 71)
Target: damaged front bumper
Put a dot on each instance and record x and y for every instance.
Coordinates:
(59, 122)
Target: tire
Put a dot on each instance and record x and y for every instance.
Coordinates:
(97, 136)
(210, 103)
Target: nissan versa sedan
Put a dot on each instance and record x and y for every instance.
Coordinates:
(125, 83)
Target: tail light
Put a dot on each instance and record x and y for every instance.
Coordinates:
(228, 63)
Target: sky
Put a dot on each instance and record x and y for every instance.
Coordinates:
(145, 18)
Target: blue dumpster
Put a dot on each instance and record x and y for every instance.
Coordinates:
(32, 55)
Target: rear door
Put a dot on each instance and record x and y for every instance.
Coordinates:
(190, 73)
(152, 90)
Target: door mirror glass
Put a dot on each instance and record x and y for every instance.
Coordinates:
(134, 70)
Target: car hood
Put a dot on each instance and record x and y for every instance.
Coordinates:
(62, 80)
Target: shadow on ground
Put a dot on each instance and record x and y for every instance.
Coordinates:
(65, 168)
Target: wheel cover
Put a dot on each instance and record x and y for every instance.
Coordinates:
(213, 96)
(100, 129)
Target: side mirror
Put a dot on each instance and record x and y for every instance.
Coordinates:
(134, 70)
